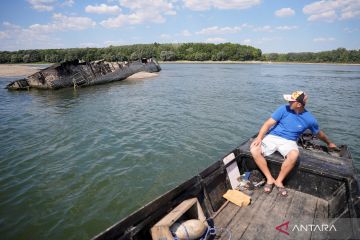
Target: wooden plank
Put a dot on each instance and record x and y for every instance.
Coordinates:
(176, 213)
(161, 233)
(301, 211)
(225, 217)
(243, 217)
(271, 213)
(321, 217)
(258, 220)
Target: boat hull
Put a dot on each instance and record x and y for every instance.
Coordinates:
(322, 186)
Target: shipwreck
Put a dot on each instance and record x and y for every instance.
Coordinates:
(80, 74)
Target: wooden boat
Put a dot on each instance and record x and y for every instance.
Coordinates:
(323, 188)
(80, 74)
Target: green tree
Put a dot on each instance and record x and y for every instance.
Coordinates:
(167, 56)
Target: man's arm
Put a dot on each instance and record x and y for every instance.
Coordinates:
(322, 136)
(263, 130)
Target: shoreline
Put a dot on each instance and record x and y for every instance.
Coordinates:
(251, 62)
(18, 70)
(142, 75)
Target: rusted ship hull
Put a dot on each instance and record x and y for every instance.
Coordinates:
(76, 74)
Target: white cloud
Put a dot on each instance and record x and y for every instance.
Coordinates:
(349, 14)
(134, 18)
(186, 33)
(165, 36)
(3, 35)
(25, 38)
(219, 30)
(140, 12)
(215, 30)
(350, 30)
(322, 39)
(320, 6)
(266, 40)
(113, 43)
(266, 28)
(42, 5)
(246, 41)
(285, 12)
(331, 10)
(158, 6)
(68, 3)
(41, 35)
(63, 23)
(202, 5)
(329, 16)
(286, 28)
(102, 9)
(49, 5)
(89, 45)
(215, 40)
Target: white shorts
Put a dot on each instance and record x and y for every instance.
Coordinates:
(272, 143)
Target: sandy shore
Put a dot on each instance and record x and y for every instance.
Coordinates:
(12, 70)
(142, 75)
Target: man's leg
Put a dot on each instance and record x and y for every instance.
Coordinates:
(286, 167)
(261, 163)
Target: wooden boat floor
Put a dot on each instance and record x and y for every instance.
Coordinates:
(266, 211)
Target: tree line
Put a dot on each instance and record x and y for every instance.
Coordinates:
(164, 52)
(340, 55)
(174, 52)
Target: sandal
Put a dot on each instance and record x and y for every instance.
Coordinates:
(268, 187)
(282, 191)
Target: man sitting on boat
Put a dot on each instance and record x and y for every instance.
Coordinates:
(280, 133)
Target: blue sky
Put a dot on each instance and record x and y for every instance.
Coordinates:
(271, 25)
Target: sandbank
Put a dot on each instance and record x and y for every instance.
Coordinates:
(13, 70)
(142, 75)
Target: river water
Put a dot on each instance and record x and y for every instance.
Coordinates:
(74, 162)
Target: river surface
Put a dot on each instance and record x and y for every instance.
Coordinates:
(74, 162)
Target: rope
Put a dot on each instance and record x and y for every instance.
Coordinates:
(210, 231)
(187, 233)
(224, 229)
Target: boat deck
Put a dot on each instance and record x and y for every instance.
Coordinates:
(267, 211)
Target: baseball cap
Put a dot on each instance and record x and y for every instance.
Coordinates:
(297, 96)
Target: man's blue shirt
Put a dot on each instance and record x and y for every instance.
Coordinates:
(291, 125)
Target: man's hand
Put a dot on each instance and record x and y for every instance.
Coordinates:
(256, 142)
(263, 130)
(321, 135)
(332, 145)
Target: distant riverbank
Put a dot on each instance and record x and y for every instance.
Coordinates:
(249, 62)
